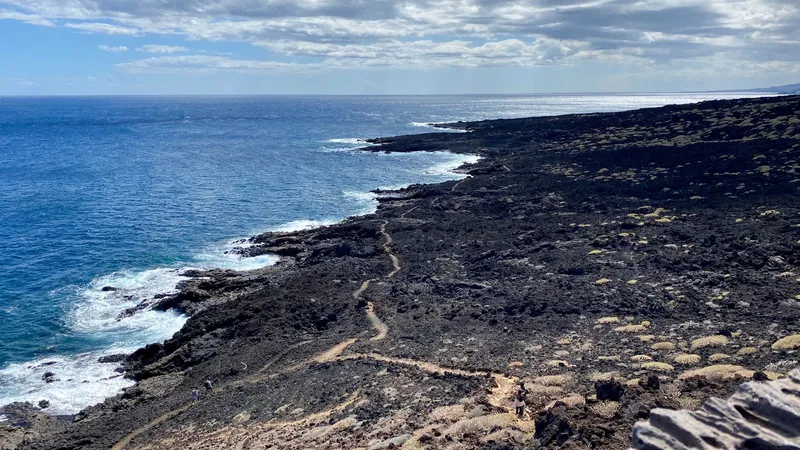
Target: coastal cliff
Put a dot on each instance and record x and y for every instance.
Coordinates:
(614, 263)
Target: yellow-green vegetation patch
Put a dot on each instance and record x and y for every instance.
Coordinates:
(602, 281)
(788, 343)
(641, 358)
(607, 320)
(663, 346)
(744, 351)
(595, 252)
(718, 372)
(658, 366)
(716, 340)
(633, 281)
(716, 357)
(688, 359)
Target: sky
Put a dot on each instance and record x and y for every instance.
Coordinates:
(108, 47)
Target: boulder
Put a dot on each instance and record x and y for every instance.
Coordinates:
(759, 415)
(609, 390)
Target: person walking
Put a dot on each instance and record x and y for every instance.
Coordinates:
(195, 395)
(208, 385)
(520, 396)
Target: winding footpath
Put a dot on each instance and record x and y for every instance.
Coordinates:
(498, 396)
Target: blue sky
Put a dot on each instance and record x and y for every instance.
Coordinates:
(389, 47)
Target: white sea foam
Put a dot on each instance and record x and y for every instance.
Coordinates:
(220, 256)
(299, 225)
(98, 311)
(346, 144)
(80, 381)
(366, 201)
(354, 141)
(447, 168)
(430, 125)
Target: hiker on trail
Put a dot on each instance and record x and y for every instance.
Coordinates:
(519, 399)
(208, 385)
(195, 395)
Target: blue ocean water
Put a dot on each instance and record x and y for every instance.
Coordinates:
(130, 191)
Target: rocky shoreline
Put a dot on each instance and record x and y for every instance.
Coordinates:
(613, 262)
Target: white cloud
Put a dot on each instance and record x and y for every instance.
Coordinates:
(453, 32)
(96, 27)
(203, 64)
(117, 49)
(32, 19)
(162, 49)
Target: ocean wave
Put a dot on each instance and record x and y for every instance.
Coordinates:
(78, 381)
(97, 315)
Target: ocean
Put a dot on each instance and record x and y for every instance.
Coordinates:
(130, 191)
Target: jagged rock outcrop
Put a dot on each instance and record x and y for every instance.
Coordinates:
(760, 415)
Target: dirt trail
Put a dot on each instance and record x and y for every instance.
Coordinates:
(499, 396)
(455, 186)
(166, 416)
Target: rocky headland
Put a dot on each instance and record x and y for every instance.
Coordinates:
(615, 263)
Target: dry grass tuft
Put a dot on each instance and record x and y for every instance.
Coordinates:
(449, 413)
(557, 363)
(633, 328)
(688, 359)
(571, 401)
(633, 383)
(647, 338)
(656, 366)
(663, 346)
(553, 380)
(641, 358)
(612, 358)
(513, 364)
(546, 391)
(744, 351)
(718, 357)
(718, 372)
(604, 376)
(607, 320)
(788, 343)
(602, 281)
(689, 403)
(481, 425)
(606, 410)
(717, 340)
